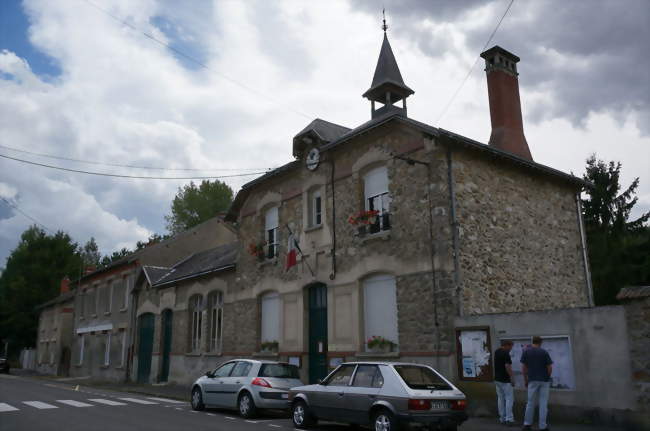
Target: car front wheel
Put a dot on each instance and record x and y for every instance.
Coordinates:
(301, 416)
(197, 399)
(384, 420)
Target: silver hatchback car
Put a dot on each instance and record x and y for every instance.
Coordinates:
(383, 394)
(246, 385)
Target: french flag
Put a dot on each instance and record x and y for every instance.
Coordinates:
(292, 252)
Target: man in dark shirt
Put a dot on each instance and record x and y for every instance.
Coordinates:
(503, 382)
(537, 368)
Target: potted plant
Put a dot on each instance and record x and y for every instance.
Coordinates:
(256, 250)
(363, 218)
(379, 344)
(269, 346)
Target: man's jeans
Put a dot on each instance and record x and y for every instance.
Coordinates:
(505, 397)
(537, 391)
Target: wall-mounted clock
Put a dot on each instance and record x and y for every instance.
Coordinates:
(313, 158)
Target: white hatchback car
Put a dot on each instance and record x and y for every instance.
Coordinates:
(246, 385)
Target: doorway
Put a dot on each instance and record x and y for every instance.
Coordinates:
(145, 346)
(317, 332)
(166, 344)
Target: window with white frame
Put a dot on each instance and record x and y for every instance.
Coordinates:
(271, 222)
(375, 188)
(270, 305)
(126, 281)
(315, 208)
(215, 309)
(123, 348)
(81, 345)
(380, 308)
(196, 322)
(107, 349)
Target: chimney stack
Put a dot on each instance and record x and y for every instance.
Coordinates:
(65, 285)
(505, 107)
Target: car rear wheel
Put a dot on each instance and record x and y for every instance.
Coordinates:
(301, 416)
(246, 406)
(384, 420)
(197, 399)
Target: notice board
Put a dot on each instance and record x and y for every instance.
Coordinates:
(473, 353)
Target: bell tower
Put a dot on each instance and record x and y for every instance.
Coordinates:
(387, 86)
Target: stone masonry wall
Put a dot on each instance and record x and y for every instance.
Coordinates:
(638, 325)
(520, 246)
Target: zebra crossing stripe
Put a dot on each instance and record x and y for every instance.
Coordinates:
(4, 407)
(137, 401)
(74, 403)
(40, 405)
(107, 402)
(166, 400)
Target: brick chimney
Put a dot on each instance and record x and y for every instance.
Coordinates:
(65, 285)
(505, 107)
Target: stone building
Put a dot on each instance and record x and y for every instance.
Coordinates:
(104, 315)
(400, 227)
(54, 337)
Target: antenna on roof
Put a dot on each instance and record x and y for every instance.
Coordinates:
(384, 26)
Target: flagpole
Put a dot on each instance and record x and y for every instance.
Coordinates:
(295, 243)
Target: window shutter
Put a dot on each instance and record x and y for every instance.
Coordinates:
(376, 182)
(272, 218)
(271, 317)
(380, 307)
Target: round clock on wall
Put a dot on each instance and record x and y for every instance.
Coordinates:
(313, 157)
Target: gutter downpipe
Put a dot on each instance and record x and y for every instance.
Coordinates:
(585, 255)
(333, 251)
(130, 339)
(454, 230)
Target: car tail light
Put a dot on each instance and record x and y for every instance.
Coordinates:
(419, 404)
(458, 404)
(258, 381)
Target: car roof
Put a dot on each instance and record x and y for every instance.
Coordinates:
(384, 363)
(257, 361)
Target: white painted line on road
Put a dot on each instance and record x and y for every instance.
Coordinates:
(193, 411)
(105, 401)
(228, 417)
(178, 408)
(210, 414)
(166, 400)
(4, 407)
(40, 405)
(251, 422)
(137, 400)
(74, 403)
(275, 426)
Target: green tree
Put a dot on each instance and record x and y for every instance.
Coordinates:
(90, 253)
(31, 277)
(618, 246)
(115, 256)
(195, 204)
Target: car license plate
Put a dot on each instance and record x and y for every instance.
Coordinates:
(439, 405)
(285, 396)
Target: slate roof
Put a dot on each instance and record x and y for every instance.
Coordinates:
(205, 262)
(154, 273)
(59, 299)
(387, 77)
(325, 130)
(634, 292)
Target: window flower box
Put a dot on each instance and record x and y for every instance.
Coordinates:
(378, 344)
(269, 347)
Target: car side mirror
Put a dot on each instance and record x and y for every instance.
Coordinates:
(209, 374)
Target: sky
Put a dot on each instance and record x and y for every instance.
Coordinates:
(225, 85)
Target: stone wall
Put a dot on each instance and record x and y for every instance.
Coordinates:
(520, 246)
(638, 323)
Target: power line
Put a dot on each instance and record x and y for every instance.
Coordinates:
(198, 62)
(103, 174)
(14, 206)
(126, 166)
(471, 69)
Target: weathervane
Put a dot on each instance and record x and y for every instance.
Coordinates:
(384, 27)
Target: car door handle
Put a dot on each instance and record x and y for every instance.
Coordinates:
(237, 382)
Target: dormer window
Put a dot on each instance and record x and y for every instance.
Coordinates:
(271, 232)
(377, 197)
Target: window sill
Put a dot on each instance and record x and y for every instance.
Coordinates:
(314, 228)
(377, 355)
(122, 310)
(93, 316)
(266, 262)
(107, 313)
(265, 354)
(121, 367)
(213, 354)
(192, 354)
(104, 367)
(384, 235)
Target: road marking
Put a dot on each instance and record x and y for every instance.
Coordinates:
(137, 400)
(178, 408)
(4, 407)
(251, 422)
(275, 426)
(210, 414)
(193, 411)
(228, 417)
(166, 400)
(107, 402)
(74, 403)
(40, 405)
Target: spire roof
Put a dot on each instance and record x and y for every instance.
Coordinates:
(387, 78)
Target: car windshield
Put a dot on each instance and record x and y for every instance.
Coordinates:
(418, 377)
(280, 371)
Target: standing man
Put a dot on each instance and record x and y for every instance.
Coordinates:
(537, 368)
(504, 382)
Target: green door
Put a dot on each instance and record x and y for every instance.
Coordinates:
(145, 346)
(166, 344)
(317, 332)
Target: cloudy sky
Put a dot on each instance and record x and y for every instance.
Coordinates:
(76, 82)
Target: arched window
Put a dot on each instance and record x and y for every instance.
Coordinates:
(375, 190)
(196, 321)
(270, 304)
(380, 308)
(215, 320)
(271, 223)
